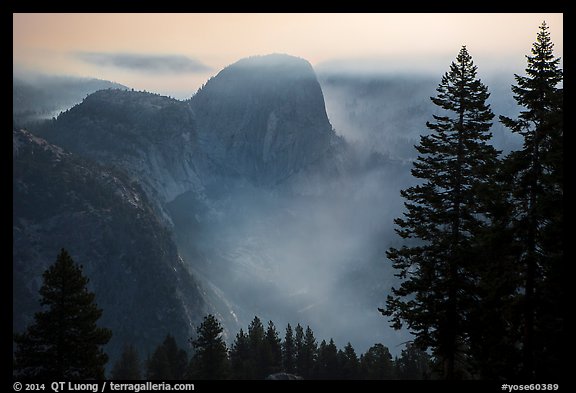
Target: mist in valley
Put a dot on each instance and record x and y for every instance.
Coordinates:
(312, 249)
(312, 253)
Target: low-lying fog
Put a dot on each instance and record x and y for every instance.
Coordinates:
(313, 251)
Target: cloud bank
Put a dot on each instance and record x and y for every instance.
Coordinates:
(147, 63)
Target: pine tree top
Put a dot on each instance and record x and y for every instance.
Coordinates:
(64, 342)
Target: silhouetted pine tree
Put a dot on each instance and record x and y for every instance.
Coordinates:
(413, 363)
(536, 174)
(348, 363)
(256, 336)
(210, 360)
(168, 362)
(272, 350)
(64, 342)
(240, 366)
(289, 351)
(444, 214)
(307, 355)
(128, 366)
(327, 366)
(377, 363)
(299, 345)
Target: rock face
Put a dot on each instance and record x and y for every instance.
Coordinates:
(283, 377)
(106, 223)
(150, 137)
(263, 118)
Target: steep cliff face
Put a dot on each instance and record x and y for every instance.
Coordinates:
(150, 137)
(106, 223)
(263, 118)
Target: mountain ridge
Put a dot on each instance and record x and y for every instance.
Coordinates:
(106, 223)
(37, 97)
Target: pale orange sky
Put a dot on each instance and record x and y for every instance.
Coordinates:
(422, 42)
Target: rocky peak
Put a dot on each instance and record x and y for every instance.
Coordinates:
(263, 118)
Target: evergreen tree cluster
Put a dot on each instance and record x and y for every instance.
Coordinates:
(482, 262)
(260, 352)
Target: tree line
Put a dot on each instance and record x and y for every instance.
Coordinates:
(65, 343)
(260, 352)
(482, 262)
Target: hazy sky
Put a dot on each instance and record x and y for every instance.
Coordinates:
(175, 53)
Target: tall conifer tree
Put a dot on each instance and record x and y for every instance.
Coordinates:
(289, 351)
(210, 360)
(64, 342)
(272, 350)
(240, 365)
(536, 176)
(443, 214)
